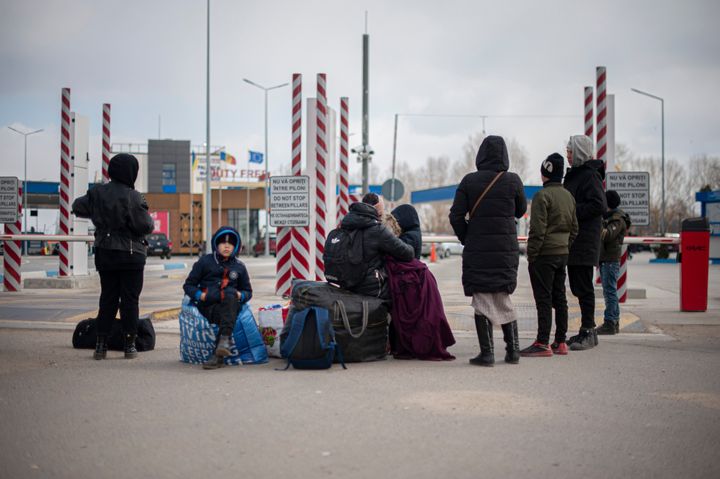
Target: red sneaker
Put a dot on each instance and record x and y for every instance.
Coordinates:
(536, 350)
(559, 348)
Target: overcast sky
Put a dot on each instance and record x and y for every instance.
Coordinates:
(517, 57)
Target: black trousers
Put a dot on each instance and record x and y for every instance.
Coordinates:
(581, 285)
(119, 289)
(547, 277)
(223, 313)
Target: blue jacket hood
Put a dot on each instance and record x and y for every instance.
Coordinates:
(227, 230)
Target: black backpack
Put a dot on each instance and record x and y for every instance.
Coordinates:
(343, 258)
(85, 335)
(308, 340)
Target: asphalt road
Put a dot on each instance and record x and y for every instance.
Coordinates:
(636, 406)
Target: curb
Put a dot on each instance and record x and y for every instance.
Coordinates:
(165, 267)
(164, 314)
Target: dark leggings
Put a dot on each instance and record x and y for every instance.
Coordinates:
(120, 289)
(223, 314)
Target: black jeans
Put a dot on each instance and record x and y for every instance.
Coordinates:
(581, 285)
(223, 313)
(119, 289)
(547, 277)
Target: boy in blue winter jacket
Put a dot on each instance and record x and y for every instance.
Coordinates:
(219, 285)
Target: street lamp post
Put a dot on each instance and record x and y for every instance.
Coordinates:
(25, 135)
(662, 141)
(267, 174)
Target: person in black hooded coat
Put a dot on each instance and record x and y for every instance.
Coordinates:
(491, 254)
(121, 219)
(409, 222)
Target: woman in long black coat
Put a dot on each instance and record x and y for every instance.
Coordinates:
(491, 253)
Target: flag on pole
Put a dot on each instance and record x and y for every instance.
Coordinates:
(256, 157)
(228, 158)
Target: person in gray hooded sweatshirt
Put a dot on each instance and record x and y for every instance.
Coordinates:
(584, 180)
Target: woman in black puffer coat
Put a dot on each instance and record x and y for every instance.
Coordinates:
(121, 219)
(491, 253)
(378, 242)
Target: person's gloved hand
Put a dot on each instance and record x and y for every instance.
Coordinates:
(212, 295)
(231, 292)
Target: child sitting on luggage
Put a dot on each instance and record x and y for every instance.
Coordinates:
(219, 285)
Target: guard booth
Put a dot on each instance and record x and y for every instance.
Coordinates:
(710, 203)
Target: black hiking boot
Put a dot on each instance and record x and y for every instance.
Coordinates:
(223, 347)
(608, 328)
(100, 348)
(484, 331)
(512, 343)
(215, 362)
(131, 351)
(587, 339)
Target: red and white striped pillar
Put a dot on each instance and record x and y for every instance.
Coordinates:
(12, 264)
(622, 289)
(344, 161)
(64, 220)
(320, 176)
(589, 112)
(601, 87)
(105, 142)
(284, 256)
(300, 235)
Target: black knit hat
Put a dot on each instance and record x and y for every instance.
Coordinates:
(553, 166)
(613, 199)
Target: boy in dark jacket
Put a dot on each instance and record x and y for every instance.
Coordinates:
(585, 182)
(121, 219)
(553, 228)
(615, 225)
(219, 284)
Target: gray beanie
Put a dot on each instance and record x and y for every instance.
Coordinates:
(581, 148)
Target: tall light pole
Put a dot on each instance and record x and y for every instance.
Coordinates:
(662, 140)
(24, 195)
(267, 174)
(208, 192)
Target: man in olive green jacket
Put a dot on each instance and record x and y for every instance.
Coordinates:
(553, 227)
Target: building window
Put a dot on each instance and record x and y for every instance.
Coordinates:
(169, 183)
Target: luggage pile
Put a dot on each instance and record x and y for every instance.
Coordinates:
(359, 325)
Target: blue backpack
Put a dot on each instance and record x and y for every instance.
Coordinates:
(310, 343)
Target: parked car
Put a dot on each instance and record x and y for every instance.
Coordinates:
(259, 248)
(158, 244)
(451, 248)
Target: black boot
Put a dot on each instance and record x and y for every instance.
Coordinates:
(484, 331)
(215, 362)
(100, 348)
(512, 343)
(131, 351)
(223, 347)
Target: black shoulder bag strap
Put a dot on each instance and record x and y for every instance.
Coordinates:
(497, 177)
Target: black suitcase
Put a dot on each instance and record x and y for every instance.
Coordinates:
(360, 322)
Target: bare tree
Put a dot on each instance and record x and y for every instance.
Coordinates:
(518, 159)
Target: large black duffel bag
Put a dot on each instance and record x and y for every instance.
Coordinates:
(85, 335)
(360, 322)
